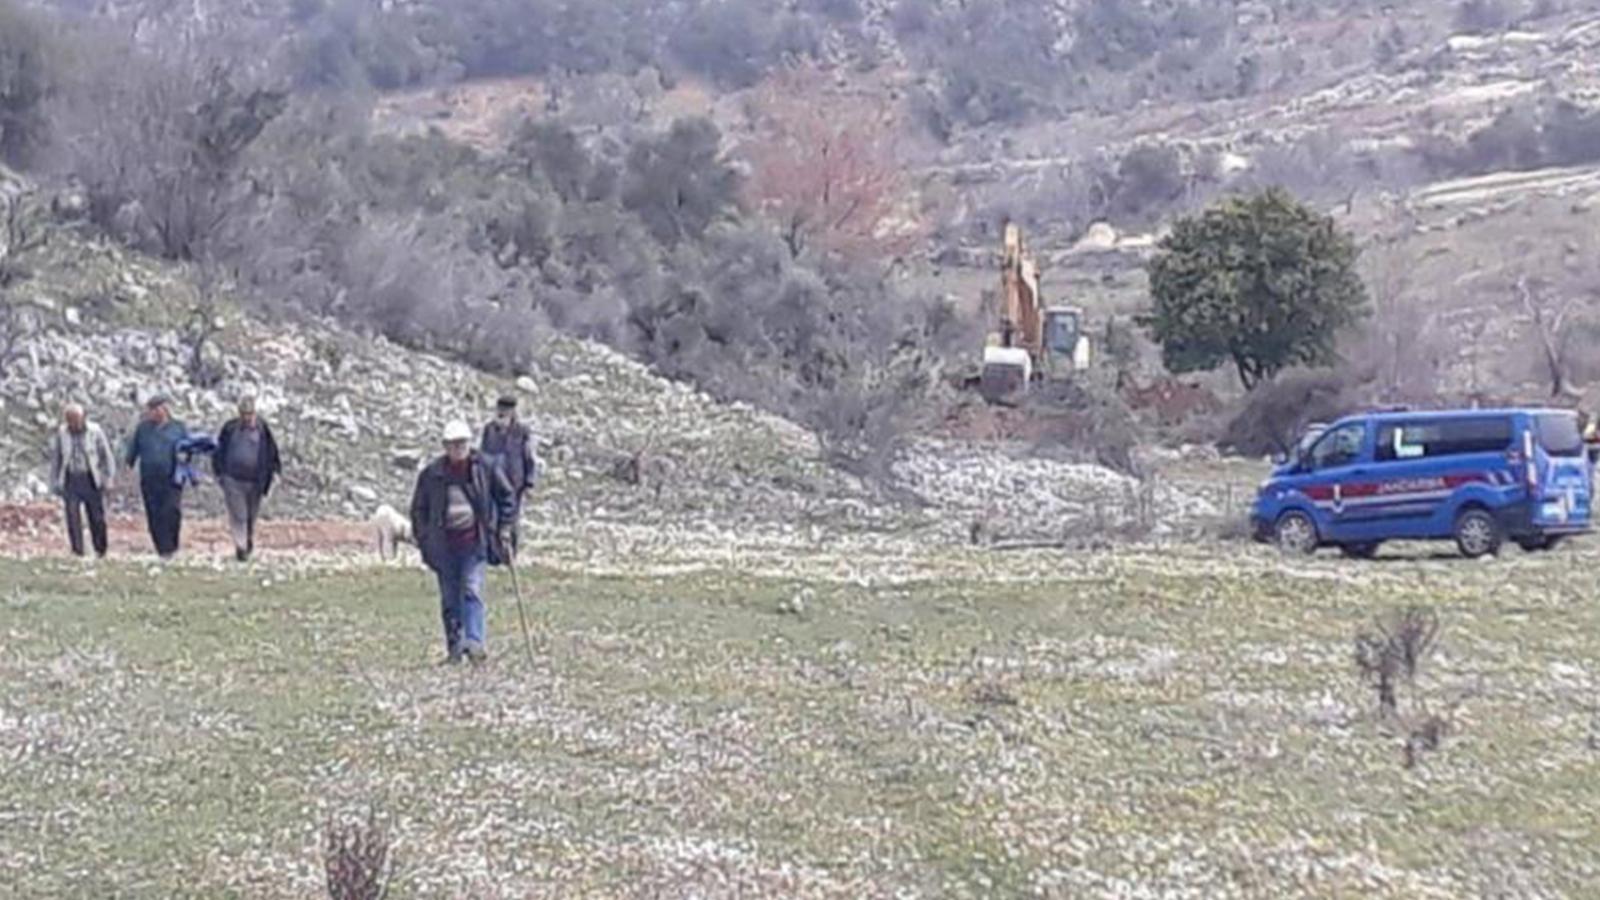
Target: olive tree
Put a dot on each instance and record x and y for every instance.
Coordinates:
(1260, 281)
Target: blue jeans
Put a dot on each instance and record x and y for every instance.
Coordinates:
(460, 576)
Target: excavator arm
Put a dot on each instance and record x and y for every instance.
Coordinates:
(1020, 324)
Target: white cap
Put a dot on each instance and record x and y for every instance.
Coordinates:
(457, 431)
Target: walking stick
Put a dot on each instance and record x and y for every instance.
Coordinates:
(522, 615)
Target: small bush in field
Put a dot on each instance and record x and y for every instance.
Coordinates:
(357, 859)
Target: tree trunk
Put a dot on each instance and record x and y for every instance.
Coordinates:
(1549, 329)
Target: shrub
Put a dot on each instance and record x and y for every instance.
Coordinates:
(1484, 16)
(728, 42)
(26, 79)
(1572, 134)
(678, 183)
(357, 859)
(1275, 414)
(1149, 179)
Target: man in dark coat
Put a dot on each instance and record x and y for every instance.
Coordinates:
(245, 464)
(460, 515)
(508, 442)
(153, 447)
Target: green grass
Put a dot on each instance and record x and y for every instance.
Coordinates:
(1188, 723)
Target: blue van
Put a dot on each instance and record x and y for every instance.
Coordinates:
(1480, 477)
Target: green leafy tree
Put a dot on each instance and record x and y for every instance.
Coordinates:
(1259, 280)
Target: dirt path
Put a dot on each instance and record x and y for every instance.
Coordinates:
(38, 530)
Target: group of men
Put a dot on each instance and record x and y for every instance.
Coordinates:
(83, 471)
(464, 510)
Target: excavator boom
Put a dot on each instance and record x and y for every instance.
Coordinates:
(1019, 296)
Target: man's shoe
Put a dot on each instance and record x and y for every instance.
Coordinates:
(241, 555)
(477, 654)
(453, 659)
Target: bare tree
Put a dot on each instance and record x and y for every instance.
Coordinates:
(1555, 319)
(203, 321)
(159, 144)
(826, 168)
(1403, 341)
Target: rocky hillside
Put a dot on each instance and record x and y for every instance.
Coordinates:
(626, 450)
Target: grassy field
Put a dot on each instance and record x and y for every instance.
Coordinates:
(1138, 723)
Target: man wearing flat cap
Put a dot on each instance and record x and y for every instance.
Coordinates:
(153, 447)
(245, 464)
(508, 443)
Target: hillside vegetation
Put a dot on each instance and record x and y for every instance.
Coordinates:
(473, 179)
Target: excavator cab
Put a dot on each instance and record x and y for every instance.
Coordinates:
(1066, 347)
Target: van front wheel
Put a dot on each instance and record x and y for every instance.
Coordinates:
(1477, 534)
(1296, 534)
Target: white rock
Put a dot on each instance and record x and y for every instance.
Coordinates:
(1100, 236)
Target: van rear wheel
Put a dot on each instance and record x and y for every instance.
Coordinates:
(1477, 534)
(1296, 534)
(1536, 544)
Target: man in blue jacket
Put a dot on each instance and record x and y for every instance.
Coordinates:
(461, 519)
(153, 447)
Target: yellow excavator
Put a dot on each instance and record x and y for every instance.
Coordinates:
(1034, 342)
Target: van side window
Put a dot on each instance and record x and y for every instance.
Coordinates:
(1339, 447)
(1452, 437)
(1558, 434)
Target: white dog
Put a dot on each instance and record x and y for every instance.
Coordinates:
(392, 529)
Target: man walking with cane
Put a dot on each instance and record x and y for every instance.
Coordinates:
(460, 515)
(82, 471)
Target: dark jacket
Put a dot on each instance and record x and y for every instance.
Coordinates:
(512, 447)
(266, 469)
(155, 448)
(493, 503)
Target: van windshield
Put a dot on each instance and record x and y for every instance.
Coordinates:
(1558, 434)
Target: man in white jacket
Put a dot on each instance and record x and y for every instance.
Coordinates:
(82, 471)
